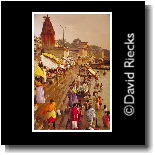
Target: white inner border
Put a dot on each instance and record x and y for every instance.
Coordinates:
(33, 71)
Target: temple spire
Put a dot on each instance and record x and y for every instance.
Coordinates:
(47, 34)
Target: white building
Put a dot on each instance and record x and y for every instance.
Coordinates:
(83, 49)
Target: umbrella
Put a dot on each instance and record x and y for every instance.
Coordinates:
(48, 63)
(37, 70)
(90, 70)
(52, 56)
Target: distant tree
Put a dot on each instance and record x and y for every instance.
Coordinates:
(60, 42)
(94, 48)
(67, 44)
(107, 53)
(75, 43)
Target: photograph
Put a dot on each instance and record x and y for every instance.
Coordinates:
(71, 72)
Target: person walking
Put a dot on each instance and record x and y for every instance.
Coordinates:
(40, 98)
(91, 115)
(51, 117)
(74, 117)
(51, 113)
(106, 119)
(104, 110)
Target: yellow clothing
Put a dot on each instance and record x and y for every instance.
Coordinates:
(48, 107)
(52, 106)
(37, 83)
(44, 109)
(74, 90)
(37, 70)
(51, 114)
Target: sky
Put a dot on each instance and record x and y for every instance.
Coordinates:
(91, 28)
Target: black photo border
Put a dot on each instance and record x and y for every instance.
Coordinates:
(127, 17)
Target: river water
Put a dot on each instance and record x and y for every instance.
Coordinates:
(105, 93)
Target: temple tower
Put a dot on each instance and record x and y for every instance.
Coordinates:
(47, 34)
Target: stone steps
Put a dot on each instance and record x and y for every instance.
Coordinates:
(64, 122)
(58, 122)
(61, 89)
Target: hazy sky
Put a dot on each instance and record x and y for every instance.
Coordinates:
(92, 28)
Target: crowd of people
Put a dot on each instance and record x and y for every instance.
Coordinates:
(49, 76)
(47, 116)
(82, 102)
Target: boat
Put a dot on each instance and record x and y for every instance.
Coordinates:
(100, 66)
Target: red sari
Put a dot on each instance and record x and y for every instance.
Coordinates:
(106, 120)
(75, 115)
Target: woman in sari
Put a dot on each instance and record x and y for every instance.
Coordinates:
(51, 117)
(70, 97)
(39, 92)
(74, 98)
(106, 119)
(74, 117)
(49, 111)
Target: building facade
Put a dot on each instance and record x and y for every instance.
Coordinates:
(73, 52)
(37, 43)
(59, 52)
(83, 49)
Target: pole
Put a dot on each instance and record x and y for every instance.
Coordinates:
(63, 36)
